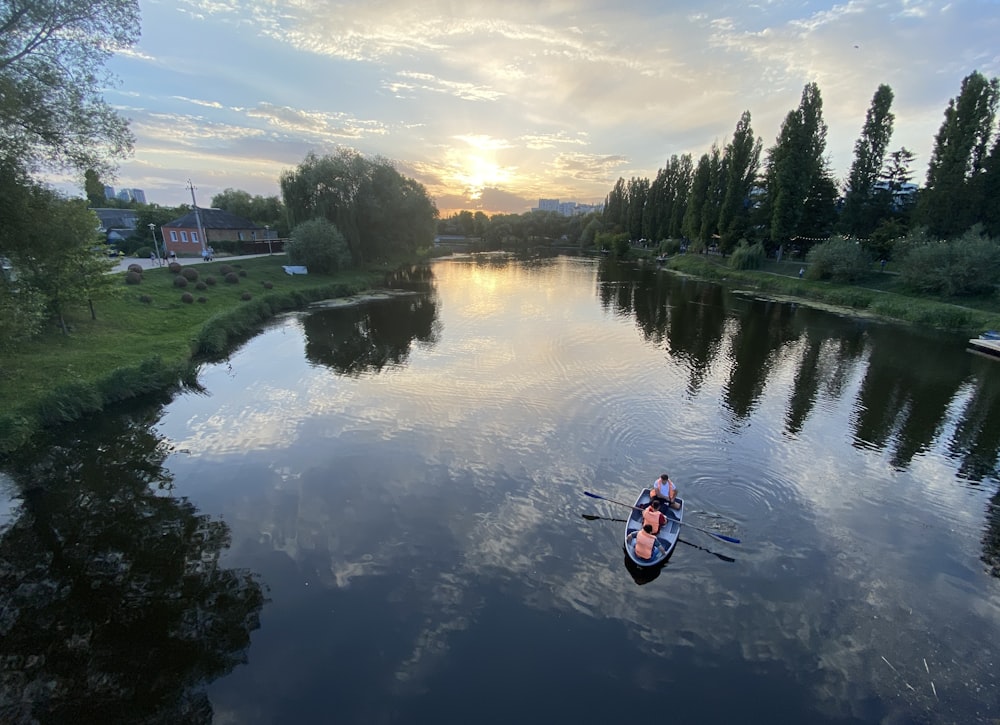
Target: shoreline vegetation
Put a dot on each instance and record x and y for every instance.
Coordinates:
(151, 338)
(874, 297)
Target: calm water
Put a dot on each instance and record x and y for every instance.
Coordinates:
(372, 514)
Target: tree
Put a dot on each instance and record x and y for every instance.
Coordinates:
(93, 188)
(52, 57)
(794, 170)
(950, 201)
(991, 192)
(61, 256)
(742, 165)
(378, 211)
(260, 209)
(700, 183)
(863, 207)
(318, 245)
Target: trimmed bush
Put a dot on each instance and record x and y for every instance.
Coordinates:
(210, 281)
(137, 268)
(243, 273)
(246, 296)
(190, 273)
(203, 299)
(179, 281)
(146, 299)
(187, 298)
(199, 285)
(174, 267)
(232, 278)
(268, 285)
(133, 277)
(225, 269)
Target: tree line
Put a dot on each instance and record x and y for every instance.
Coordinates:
(789, 196)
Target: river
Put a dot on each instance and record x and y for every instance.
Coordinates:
(373, 513)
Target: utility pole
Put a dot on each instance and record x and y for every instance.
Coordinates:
(197, 218)
(156, 247)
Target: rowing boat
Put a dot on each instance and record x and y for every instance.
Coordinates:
(666, 537)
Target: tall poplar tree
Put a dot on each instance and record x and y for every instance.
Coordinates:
(742, 165)
(797, 173)
(951, 199)
(863, 207)
(700, 183)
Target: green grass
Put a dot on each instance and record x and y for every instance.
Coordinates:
(135, 347)
(879, 294)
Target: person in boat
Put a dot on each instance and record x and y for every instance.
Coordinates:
(651, 515)
(646, 543)
(665, 490)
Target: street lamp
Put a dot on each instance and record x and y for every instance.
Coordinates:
(156, 247)
(267, 234)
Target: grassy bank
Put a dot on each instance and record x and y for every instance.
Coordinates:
(149, 339)
(879, 296)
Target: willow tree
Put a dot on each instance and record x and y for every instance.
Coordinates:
(378, 211)
(863, 205)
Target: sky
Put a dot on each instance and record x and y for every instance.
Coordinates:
(493, 104)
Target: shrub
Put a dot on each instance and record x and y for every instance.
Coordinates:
(174, 267)
(132, 277)
(187, 298)
(190, 273)
(225, 269)
(199, 285)
(318, 245)
(669, 246)
(968, 265)
(232, 278)
(179, 281)
(838, 259)
(747, 256)
(203, 299)
(210, 281)
(268, 285)
(243, 273)
(145, 299)
(246, 296)
(143, 252)
(137, 268)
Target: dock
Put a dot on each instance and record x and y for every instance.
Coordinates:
(985, 345)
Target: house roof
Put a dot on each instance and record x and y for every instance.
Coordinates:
(213, 219)
(116, 218)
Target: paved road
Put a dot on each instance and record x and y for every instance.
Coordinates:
(146, 263)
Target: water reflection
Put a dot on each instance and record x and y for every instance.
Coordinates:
(355, 339)
(902, 406)
(113, 605)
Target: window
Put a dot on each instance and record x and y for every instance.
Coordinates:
(173, 236)
(184, 236)
(194, 237)
(239, 235)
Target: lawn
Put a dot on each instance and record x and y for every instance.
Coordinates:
(147, 338)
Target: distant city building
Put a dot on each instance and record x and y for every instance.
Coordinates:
(567, 208)
(137, 195)
(109, 192)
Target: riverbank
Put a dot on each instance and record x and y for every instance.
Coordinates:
(151, 338)
(876, 298)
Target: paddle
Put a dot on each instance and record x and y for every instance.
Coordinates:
(593, 517)
(723, 537)
(730, 559)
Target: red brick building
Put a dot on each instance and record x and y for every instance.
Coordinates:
(183, 236)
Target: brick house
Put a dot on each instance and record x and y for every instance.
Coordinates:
(183, 237)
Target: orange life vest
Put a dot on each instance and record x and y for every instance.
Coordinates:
(653, 518)
(644, 545)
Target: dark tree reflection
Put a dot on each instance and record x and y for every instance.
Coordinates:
(113, 603)
(367, 337)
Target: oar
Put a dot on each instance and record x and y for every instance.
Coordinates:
(723, 537)
(730, 559)
(593, 517)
